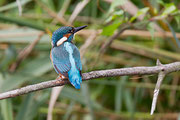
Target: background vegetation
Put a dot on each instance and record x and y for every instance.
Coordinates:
(120, 34)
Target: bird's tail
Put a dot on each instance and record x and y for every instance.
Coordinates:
(75, 79)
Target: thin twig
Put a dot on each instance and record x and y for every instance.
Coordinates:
(19, 34)
(25, 52)
(63, 10)
(65, 6)
(99, 7)
(53, 14)
(88, 32)
(161, 76)
(54, 95)
(87, 43)
(168, 68)
(145, 51)
(19, 7)
(108, 43)
(77, 10)
(132, 9)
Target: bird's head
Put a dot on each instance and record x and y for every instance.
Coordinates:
(64, 34)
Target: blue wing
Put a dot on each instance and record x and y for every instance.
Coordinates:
(77, 58)
(60, 59)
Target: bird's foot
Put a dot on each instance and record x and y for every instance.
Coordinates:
(61, 77)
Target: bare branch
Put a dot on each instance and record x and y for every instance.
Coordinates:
(110, 40)
(25, 52)
(168, 68)
(53, 14)
(87, 43)
(161, 76)
(19, 7)
(88, 32)
(54, 96)
(77, 10)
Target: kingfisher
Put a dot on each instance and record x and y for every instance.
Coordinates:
(65, 56)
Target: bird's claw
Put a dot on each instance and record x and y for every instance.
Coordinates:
(61, 77)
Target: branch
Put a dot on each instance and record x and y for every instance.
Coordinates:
(25, 52)
(77, 10)
(19, 7)
(168, 68)
(161, 76)
(52, 13)
(113, 37)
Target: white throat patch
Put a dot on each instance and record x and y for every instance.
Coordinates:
(60, 41)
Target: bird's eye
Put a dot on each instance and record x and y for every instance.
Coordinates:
(71, 31)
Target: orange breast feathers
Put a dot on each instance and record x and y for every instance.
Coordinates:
(51, 57)
(67, 35)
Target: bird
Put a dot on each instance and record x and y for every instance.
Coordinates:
(65, 56)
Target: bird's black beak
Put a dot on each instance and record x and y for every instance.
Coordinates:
(79, 28)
